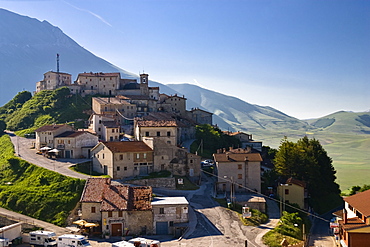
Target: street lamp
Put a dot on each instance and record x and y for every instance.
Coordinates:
(282, 202)
(232, 189)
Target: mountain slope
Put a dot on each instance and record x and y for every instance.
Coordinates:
(344, 122)
(28, 49)
(238, 114)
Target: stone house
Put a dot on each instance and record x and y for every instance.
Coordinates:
(118, 208)
(354, 227)
(122, 159)
(53, 80)
(167, 127)
(173, 103)
(117, 108)
(246, 140)
(170, 215)
(177, 160)
(200, 116)
(45, 135)
(293, 191)
(238, 169)
(75, 144)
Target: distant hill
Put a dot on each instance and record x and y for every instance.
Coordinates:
(236, 114)
(344, 122)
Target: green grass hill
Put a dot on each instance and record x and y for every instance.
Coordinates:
(35, 191)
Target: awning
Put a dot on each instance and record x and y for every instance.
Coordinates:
(54, 150)
(91, 224)
(85, 223)
(45, 148)
(80, 222)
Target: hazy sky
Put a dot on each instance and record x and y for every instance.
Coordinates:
(304, 58)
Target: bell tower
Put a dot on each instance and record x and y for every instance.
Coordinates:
(144, 90)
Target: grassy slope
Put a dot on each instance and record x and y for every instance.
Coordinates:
(35, 191)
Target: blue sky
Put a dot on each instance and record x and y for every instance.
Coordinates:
(304, 58)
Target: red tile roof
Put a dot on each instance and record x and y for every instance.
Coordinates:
(50, 127)
(361, 202)
(99, 74)
(117, 197)
(72, 133)
(352, 223)
(296, 182)
(126, 147)
(232, 157)
(94, 189)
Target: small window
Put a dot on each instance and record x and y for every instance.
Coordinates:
(240, 176)
(125, 168)
(93, 209)
(158, 133)
(120, 214)
(121, 156)
(144, 154)
(161, 210)
(137, 156)
(147, 133)
(110, 214)
(118, 168)
(168, 133)
(286, 191)
(239, 166)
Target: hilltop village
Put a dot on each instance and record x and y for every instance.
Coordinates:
(137, 142)
(135, 130)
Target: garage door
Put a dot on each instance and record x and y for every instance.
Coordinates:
(161, 228)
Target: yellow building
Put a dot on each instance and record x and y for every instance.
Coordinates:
(293, 191)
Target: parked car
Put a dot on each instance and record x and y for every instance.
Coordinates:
(207, 162)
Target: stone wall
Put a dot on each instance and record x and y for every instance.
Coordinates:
(169, 183)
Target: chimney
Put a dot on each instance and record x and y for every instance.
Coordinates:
(345, 216)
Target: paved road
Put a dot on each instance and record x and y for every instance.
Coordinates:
(22, 148)
(321, 235)
(212, 225)
(20, 217)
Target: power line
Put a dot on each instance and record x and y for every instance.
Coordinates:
(273, 199)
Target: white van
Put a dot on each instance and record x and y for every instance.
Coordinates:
(71, 240)
(143, 242)
(4, 242)
(43, 238)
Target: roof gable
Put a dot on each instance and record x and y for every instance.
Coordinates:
(361, 202)
(126, 147)
(114, 196)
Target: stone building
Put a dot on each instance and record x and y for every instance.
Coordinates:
(170, 215)
(118, 208)
(239, 170)
(45, 135)
(53, 80)
(175, 159)
(167, 127)
(122, 159)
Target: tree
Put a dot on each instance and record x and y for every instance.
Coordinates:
(307, 160)
(2, 127)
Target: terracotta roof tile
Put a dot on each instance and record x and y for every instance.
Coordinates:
(352, 223)
(71, 133)
(50, 127)
(94, 189)
(125, 147)
(99, 74)
(231, 157)
(296, 182)
(361, 202)
(117, 197)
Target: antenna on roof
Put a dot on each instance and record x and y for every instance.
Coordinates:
(58, 67)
